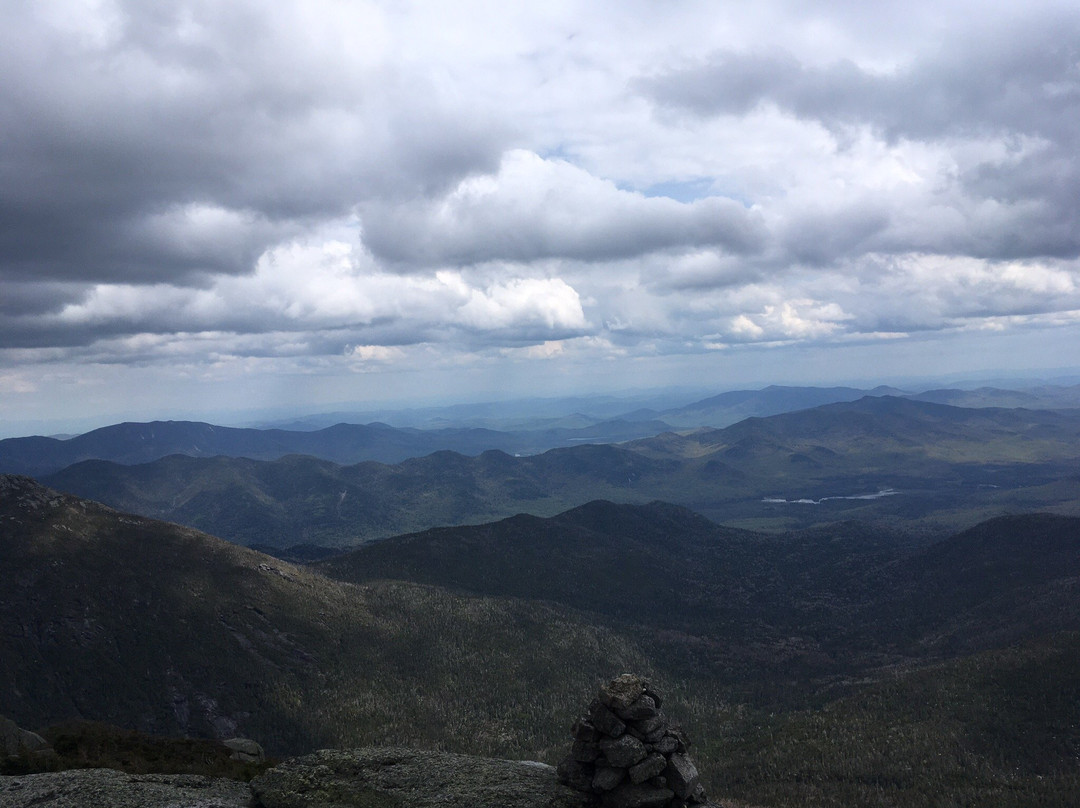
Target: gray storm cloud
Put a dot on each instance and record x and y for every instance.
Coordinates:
(184, 139)
(353, 182)
(1023, 78)
(1017, 84)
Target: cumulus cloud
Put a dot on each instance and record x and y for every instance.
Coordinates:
(792, 319)
(1021, 77)
(329, 291)
(535, 208)
(149, 141)
(1012, 82)
(883, 297)
(335, 185)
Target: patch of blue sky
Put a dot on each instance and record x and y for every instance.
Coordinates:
(691, 190)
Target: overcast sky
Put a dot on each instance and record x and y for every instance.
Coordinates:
(208, 204)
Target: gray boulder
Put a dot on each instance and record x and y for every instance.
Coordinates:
(682, 774)
(105, 788)
(245, 750)
(400, 778)
(624, 752)
(15, 741)
(622, 691)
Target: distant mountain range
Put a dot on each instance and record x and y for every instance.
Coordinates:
(715, 411)
(347, 443)
(131, 443)
(951, 466)
(486, 638)
(729, 408)
(302, 500)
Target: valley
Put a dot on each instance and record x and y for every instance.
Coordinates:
(867, 602)
(779, 652)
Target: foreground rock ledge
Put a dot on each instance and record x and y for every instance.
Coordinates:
(105, 788)
(410, 778)
(356, 778)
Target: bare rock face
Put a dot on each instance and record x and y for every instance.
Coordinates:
(628, 755)
(411, 778)
(105, 788)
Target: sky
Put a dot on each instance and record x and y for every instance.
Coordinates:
(229, 204)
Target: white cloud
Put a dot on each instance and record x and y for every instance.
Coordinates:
(588, 349)
(16, 383)
(793, 319)
(364, 185)
(310, 287)
(535, 209)
(374, 353)
(551, 303)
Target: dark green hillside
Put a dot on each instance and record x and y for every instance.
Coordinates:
(829, 602)
(1000, 729)
(651, 564)
(154, 627)
(990, 585)
(661, 566)
(813, 678)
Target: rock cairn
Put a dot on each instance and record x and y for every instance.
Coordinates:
(627, 754)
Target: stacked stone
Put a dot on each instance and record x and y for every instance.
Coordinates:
(627, 754)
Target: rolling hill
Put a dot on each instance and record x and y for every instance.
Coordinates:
(347, 441)
(731, 407)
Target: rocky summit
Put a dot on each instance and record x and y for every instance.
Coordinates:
(331, 778)
(389, 777)
(105, 788)
(627, 754)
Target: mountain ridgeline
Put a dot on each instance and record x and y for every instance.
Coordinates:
(844, 591)
(353, 442)
(940, 467)
(929, 668)
(132, 443)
